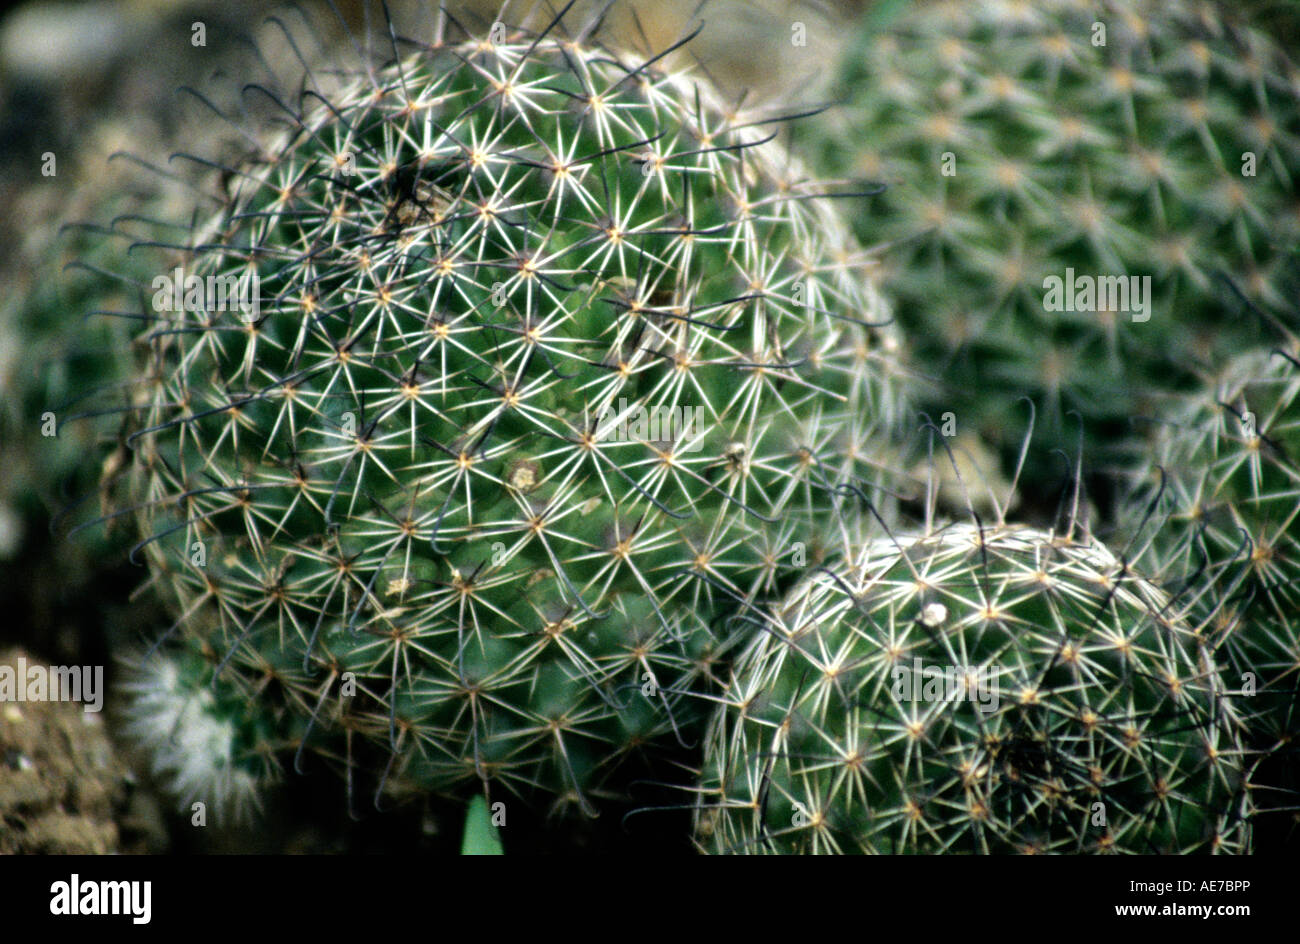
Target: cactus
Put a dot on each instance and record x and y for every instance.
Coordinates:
(480, 836)
(1218, 506)
(975, 689)
(1115, 140)
(414, 484)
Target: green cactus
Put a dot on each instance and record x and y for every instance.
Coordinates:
(67, 320)
(417, 483)
(480, 835)
(1219, 507)
(1115, 139)
(975, 689)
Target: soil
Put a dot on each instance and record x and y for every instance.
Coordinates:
(64, 789)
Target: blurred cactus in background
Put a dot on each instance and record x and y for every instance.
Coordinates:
(207, 742)
(1139, 155)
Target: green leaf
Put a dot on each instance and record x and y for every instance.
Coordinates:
(481, 837)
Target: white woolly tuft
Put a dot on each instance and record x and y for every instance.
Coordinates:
(192, 750)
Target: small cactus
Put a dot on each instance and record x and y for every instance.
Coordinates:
(974, 689)
(207, 743)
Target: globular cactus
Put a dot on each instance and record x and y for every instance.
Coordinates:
(1218, 507)
(975, 689)
(514, 364)
(1092, 144)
